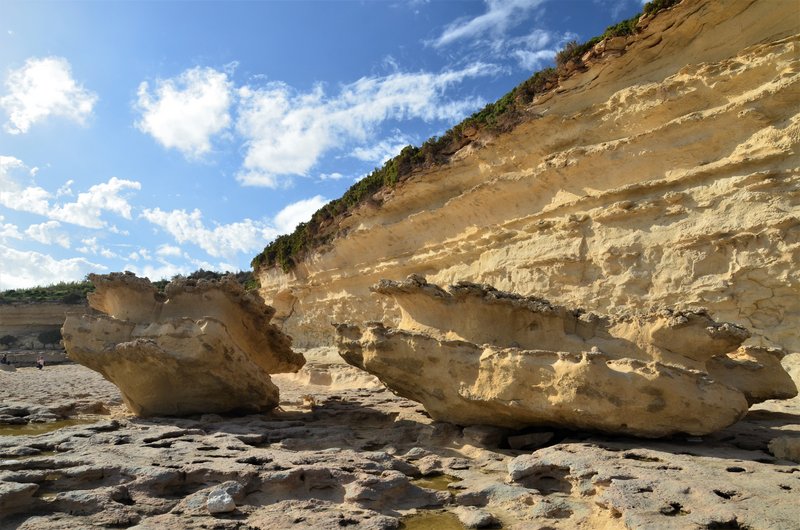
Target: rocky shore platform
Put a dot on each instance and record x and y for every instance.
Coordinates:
(343, 451)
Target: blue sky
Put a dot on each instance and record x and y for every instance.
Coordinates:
(163, 137)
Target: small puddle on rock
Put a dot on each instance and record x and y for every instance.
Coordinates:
(438, 483)
(431, 521)
(47, 496)
(31, 429)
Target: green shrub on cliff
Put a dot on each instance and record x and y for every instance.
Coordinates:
(498, 117)
(64, 292)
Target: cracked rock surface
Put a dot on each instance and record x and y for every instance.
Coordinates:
(352, 454)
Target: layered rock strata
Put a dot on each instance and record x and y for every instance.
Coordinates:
(201, 346)
(475, 355)
(666, 176)
(25, 321)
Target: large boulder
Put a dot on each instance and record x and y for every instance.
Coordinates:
(199, 347)
(475, 355)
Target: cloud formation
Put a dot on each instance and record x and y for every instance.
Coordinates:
(299, 212)
(42, 88)
(220, 241)
(187, 111)
(26, 268)
(381, 151)
(286, 132)
(500, 15)
(48, 233)
(85, 211)
(227, 240)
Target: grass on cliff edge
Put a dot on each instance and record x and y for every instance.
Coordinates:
(64, 292)
(498, 117)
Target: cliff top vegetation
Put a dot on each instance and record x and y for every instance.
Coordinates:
(495, 118)
(75, 292)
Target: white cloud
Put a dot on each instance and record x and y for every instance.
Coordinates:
(48, 233)
(169, 250)
(298, 212)
(86, 210)
(9, 231)
(228, 240)
(8, 167)
(219, 241)
(66, 189)
(287, 132)
(142, 254)
(499, 16)
(28, 269)
(89, 206)
(164, 270)
(533, 60)
(536, 49)
(382, 151)
(186, 111)
(41, 88)
(331, 176)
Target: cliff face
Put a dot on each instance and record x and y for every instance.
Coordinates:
(666, 176)
(26, 321)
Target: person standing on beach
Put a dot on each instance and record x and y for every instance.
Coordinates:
(40, 362)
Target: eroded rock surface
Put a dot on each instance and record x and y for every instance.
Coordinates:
(475, 355)
(333, 458)
(202, 346)
(668, 175)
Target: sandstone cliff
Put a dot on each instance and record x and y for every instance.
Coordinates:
(25, 321)
(667, 176)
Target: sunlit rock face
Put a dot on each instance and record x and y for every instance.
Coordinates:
(475, 355)
(666, 176)
(201, 346)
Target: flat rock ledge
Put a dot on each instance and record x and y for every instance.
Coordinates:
(474, 355)
(199, 347)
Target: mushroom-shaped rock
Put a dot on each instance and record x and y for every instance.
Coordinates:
(200, 347)
(474, 355)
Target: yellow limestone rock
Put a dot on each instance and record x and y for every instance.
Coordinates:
(202, 346)
(668, 176)
(475, 355)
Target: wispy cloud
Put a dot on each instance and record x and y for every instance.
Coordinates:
(286, 132)
(500, 15)
(187, 111)
(226, 240)
(219, 241)
(41, 88)
(331, 176)
(383, 150)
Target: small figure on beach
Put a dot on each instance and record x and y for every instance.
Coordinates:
(40, 362)
(4, 360)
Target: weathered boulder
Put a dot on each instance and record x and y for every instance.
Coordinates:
(475, 355)
(201, 346)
